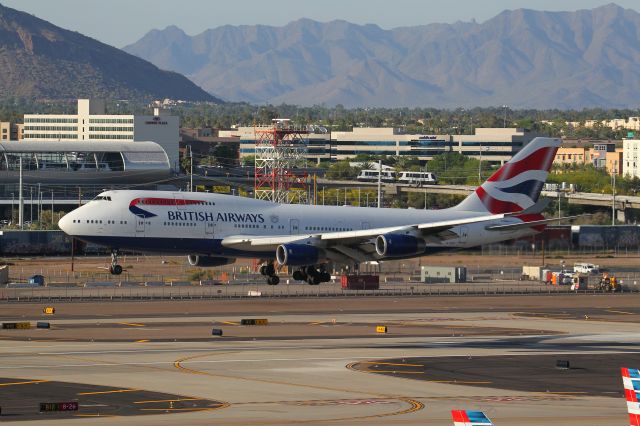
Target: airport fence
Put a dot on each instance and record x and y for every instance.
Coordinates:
(160, 291)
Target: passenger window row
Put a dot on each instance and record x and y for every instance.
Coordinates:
(179, 224)
(97, 221)
(326, 228)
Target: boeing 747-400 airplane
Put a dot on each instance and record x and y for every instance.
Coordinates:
(215, 229)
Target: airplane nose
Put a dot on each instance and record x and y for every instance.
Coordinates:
(65, 223)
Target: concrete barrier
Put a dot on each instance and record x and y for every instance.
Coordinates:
(131, 284)
(4, 274)
(100, 284)
(154, 284)
(180, 283)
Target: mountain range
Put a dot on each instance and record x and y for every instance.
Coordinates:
(41, 60)
(521, 58)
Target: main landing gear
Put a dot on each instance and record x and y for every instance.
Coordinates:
(114, 268)
(312, 275)
(269, 271)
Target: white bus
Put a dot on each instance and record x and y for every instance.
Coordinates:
(418, 178)
(372, 176)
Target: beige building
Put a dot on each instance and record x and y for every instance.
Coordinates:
(10, 131)
(489, 144)
(572, 156)
(602, 155)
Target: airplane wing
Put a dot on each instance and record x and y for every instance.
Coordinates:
(470, 418)
(631, 383)
(358, 244)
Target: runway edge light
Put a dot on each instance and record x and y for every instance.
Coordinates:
(381, 329)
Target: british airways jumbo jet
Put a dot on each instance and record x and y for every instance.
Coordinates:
(215, 229)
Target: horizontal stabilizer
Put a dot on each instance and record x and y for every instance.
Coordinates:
(523, 225)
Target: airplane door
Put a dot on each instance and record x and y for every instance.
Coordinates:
(209, 228)
(179, 201)
(294, 227)
(365, 225)
(139, 226)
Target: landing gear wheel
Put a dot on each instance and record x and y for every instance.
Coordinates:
(313, 279)
(115, 269)
(299, 276)
(325, 277)
(273, 280)
(263, 270)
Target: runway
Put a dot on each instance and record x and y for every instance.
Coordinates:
(263, 375)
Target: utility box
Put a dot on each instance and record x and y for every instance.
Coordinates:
(36, 280)
(533, 273)
(443, 274)
(360, 282)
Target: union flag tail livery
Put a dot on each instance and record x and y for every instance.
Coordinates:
(470, 418)
(517, 184)
(631, 382)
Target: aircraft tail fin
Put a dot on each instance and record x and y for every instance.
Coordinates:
(470, 418)
(516, 186)
(631, 383)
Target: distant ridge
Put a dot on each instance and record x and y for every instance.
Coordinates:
(40, 60)
(522, 58)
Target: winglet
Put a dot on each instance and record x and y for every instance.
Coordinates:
(631, 383)
(470, 418)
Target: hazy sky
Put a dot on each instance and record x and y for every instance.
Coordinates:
(121, 22)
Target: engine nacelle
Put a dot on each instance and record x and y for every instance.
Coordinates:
(297, 254)
(209, 261)
(399, 245)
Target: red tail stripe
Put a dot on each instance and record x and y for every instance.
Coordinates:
(496, 206)
(634, 419)
(625, 371)
(630, 395)
(538, 160)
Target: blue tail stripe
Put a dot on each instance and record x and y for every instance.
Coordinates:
(531, 188)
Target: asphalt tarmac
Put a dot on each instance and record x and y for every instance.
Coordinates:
(313, 363)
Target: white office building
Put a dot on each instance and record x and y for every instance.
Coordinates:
(631, 157)
(93, 125)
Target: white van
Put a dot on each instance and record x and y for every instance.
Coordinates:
(586, 268)
(418, 178)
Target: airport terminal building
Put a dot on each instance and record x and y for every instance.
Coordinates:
(92, 124)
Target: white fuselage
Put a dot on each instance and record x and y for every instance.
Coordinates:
(196, 223)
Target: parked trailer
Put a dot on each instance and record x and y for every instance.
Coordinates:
(360, 282)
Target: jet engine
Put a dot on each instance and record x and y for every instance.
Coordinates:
(399, 245)
(209, 261)
(297, 254)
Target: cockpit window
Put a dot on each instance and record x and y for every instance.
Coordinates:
(102, 197)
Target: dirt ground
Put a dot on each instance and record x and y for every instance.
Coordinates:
(166, 268)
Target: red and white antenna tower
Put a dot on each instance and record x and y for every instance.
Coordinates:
(280, 150)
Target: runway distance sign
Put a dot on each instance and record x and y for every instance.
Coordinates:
(59, 406)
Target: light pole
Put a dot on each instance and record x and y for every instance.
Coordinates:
(613, 193)
(504, 118)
